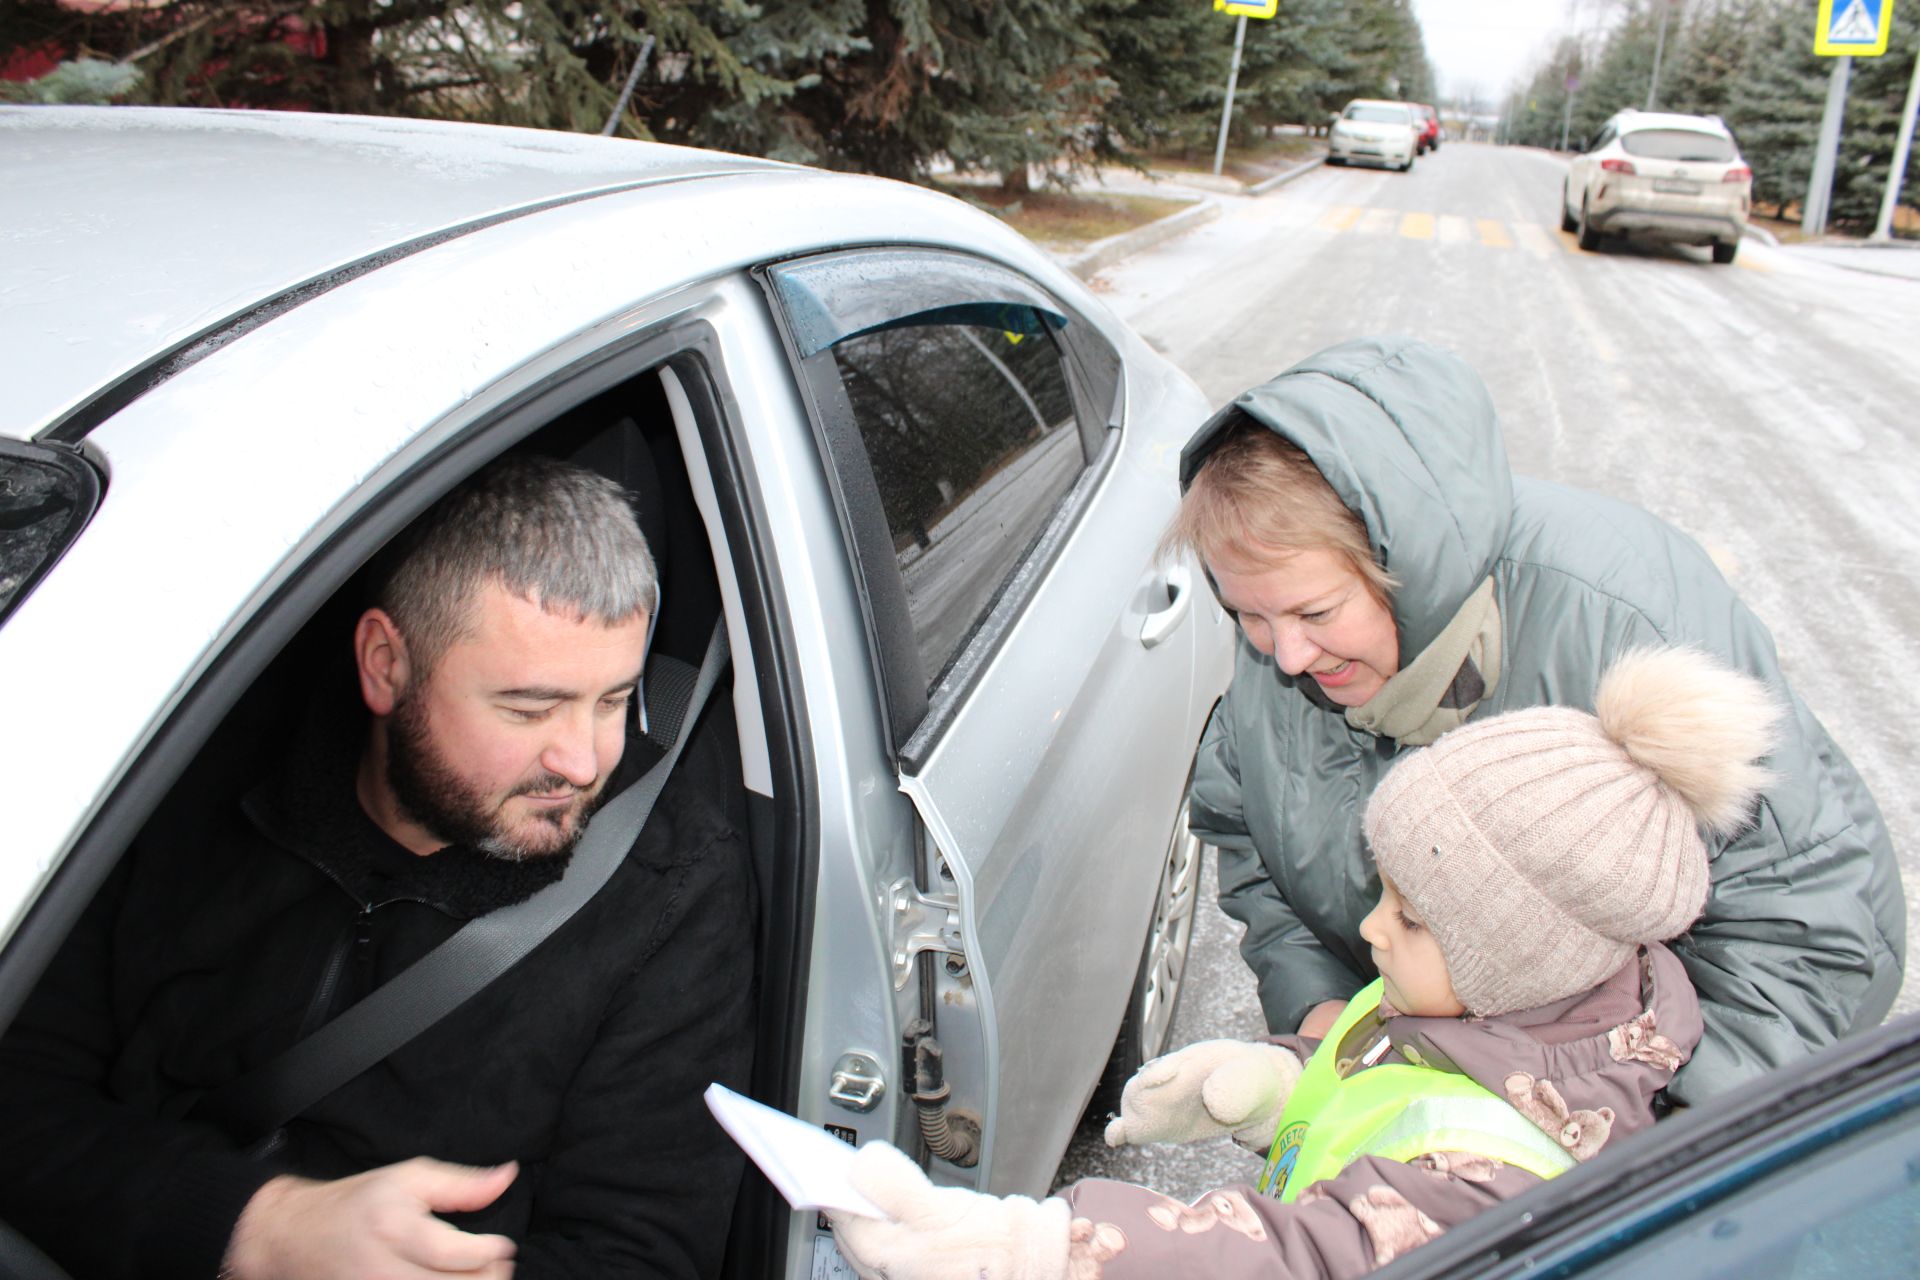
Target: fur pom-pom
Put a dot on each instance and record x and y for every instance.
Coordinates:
(1699, 726)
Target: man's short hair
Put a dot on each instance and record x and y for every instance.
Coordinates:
(550, 532)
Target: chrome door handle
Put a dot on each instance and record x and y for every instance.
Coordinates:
(1161, 623)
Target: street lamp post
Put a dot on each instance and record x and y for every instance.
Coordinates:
(1659, 45)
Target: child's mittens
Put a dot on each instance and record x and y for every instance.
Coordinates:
(1207, 1090)
(946, 1233)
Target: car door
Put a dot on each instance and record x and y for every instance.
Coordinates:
(1807, 1173)
(1036, 662)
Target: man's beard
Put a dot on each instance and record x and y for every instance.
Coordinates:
(432, 793)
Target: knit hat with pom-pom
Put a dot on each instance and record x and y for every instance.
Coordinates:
(1542, 847)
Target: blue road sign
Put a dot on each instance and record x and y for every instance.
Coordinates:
(1853, 28)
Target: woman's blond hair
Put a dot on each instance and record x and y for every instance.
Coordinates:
(1259, 496)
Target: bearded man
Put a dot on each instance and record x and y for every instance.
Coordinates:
(550, 1126)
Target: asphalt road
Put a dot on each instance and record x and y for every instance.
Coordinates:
(1767, 408)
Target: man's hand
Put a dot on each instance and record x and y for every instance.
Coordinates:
(1320, 1019)
(373, 1226)
(1207, 1090)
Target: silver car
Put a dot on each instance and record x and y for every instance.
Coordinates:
(918, 469)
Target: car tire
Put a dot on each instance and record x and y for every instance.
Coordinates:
(1408, 166)
(1161, 977)
(1723, 251)
(1589, 237)
(1567, 221)
(1339, 160)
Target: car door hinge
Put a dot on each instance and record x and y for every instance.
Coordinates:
(921, 922)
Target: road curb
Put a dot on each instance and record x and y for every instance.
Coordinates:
(1265, 185)
(1102, 254)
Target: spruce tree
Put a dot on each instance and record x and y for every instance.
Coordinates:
(1776, 102)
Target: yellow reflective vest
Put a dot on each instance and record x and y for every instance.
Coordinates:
(1344, 1107)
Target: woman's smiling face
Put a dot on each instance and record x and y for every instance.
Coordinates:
(1313, 615)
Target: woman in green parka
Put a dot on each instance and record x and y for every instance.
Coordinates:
(1391, 579)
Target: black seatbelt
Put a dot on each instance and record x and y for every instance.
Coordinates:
(257, 1103)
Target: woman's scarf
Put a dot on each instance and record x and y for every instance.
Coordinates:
(1440, 688)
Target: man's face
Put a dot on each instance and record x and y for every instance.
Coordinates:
(508, 741)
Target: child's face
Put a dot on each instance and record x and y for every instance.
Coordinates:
(1413, 972)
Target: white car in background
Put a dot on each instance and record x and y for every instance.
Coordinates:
(1373, 131)
(917, 470)
(1656, 175)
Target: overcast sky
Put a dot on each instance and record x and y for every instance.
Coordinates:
(1484, 45)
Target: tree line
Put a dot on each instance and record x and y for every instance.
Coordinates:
(891, 87)
(1750, 62)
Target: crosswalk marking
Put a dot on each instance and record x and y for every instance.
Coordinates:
(1534, 238)
(1378, 222)
(1340, 218)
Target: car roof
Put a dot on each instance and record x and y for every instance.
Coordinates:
(131, 233)
(1378, 102)
(1631, 121)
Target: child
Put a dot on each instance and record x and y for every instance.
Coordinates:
(1531, 864)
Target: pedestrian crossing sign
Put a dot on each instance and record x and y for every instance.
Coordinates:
(1855, 28)
(1247, 8)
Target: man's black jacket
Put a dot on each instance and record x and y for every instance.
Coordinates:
(212, 950)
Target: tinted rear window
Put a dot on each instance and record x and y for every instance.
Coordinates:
(1678, 144)
(1380, 115)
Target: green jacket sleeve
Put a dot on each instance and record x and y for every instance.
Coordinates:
(1293, 970)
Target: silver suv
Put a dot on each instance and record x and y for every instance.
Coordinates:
(1658, 176)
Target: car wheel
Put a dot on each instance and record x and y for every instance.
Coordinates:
(1567, 222)
(1339, 160)
(1160, 979)
(1723, 251)
(1589, 238)
(1408, 166)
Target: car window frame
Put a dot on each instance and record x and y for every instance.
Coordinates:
(916, 715)
(176, 741)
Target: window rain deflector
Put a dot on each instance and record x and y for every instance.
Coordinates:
(830, 299)
(47, 495)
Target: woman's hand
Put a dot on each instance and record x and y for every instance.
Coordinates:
(1320, 1019)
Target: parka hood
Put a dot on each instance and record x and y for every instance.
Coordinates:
(1406, 434)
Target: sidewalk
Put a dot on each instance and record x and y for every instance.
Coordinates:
(1205, 191)
(1897, 258)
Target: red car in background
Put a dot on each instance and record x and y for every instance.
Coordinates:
(1428, 120)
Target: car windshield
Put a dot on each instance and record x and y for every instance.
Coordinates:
(1678, 144)
(1378, 115)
